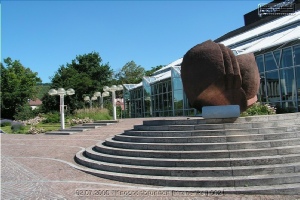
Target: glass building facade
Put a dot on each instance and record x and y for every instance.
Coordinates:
(276, 45)
(158, 96)
(280, 77)
(163, 95)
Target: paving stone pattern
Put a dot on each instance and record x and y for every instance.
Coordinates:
(43, 167)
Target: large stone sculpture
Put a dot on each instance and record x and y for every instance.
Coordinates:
(212, 75)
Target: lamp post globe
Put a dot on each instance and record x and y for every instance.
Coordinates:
(113, 90)
(98, 94)
(61, 92)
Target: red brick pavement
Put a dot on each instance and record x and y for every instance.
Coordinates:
(43, 167)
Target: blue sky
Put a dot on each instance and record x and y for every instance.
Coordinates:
(44, 35)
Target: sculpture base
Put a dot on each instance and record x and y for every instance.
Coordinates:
(227, 111)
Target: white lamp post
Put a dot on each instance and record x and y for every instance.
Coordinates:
(61, 92)
(101, 95)
(88, 99)
(113, 90)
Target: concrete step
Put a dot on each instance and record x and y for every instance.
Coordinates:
(133, 132)
(225, 126)
(193, 171)
(197, 154)
(95, 124)
(203, 146)
(173, 181)
(198, 162)
(206, 139)
(265, 130)
(60, 133)
(198, 191)
(75, 129)
(152, 133)
(85, 127)
(197, 120)
(242, 155)
(107, 121)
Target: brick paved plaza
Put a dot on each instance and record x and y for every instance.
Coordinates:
(43, 167)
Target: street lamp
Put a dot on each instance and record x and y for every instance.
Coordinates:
(88, 99)
(113, 90)
(101, 95)
(61, 92)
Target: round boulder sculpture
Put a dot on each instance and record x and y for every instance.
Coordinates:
(212, 76)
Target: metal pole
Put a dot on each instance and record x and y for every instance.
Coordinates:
(62, 113)
(114, 105)
(101, 102)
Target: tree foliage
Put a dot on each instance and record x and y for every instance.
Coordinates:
(152, 70)
(131, 73)
(86, 74)
(18, 85)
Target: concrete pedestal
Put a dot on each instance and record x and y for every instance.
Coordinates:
(228, 111)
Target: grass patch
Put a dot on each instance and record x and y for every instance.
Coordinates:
(93, 113)
(46, 127)
(52, 121)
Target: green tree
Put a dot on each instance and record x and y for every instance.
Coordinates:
(18, 85)
(131, 73)
(152, 70)
(86, 74)
(42, 89)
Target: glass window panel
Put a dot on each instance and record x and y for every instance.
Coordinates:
(289, 107)
(272, 86)
(153, 105)
(178, 99)
(178, 112)
(277, 56)
(147, 104)
(262, 92)
(270, 62)
(288, 85)
(260, 63)
(158, 104)
(298, 82)
(175, 74)
(286, 58)
(165, 101)
(177, 84)
(161, 98)
(160, 88)
(165, 87)
(157, 88)
(297, 55)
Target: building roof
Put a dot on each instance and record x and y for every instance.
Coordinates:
(166, 68)
(277, 32)
(36, 102)
(159, 75)
(253, 20)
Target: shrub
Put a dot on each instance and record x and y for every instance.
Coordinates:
(79, 121)
(24, 113)
(35, 130)
(18, 128)
(259, 109)
(33, 121)
(5, 122)
(52, 118)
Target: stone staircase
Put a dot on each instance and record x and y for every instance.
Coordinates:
(247, 155)
(82, 127)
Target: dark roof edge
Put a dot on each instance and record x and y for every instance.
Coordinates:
(246, 28)
(263, 20)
